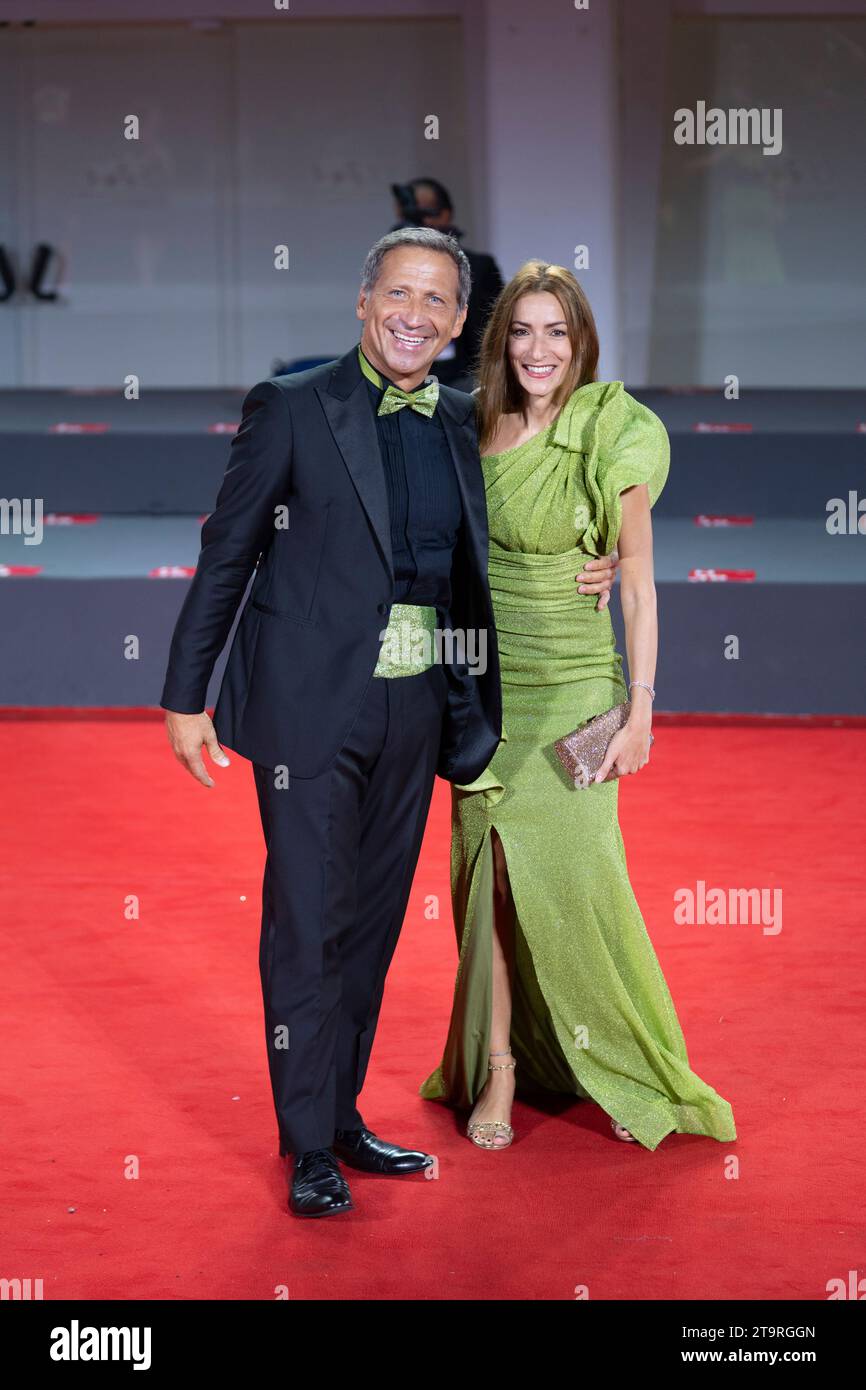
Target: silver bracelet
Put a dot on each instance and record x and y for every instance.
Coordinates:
(644, 686)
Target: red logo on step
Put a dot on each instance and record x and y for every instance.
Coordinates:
(709, 519)
(716, 576)
(19, 571)
(70, 518)
(172, 572)
(711, 427)
(80, 427)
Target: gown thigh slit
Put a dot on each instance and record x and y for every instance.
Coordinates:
(503, 903)
(592, 1016)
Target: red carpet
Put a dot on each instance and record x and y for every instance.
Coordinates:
(140, 1039)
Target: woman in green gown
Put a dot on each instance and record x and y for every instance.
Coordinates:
(558, 985)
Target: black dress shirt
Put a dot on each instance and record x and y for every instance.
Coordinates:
(424, 501)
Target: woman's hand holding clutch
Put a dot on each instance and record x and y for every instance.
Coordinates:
(628, 750)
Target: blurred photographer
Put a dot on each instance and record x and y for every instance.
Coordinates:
(427, 203)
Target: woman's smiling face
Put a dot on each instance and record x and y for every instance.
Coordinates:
(539, 348)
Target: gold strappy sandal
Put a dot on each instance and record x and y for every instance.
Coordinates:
(484, 1132)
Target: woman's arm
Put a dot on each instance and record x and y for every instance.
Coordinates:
(628, 750)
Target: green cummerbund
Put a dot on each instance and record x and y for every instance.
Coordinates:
(409, 645)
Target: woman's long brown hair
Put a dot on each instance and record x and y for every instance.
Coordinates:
(499, 391)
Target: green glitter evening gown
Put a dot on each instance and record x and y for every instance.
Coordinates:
(592, 1013)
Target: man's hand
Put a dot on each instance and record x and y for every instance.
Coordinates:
(601, 580)
(188, 734)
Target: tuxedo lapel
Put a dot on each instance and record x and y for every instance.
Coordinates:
(458, 421)
(345, 403)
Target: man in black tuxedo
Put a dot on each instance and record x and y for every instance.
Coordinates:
(354, 495)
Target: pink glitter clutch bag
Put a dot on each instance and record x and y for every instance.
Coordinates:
(582, 751)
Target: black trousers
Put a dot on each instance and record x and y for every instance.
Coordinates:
(341, 854)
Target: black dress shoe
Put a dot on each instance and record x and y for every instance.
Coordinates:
(360, 1148)
(318, 1186)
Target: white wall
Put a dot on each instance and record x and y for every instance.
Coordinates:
(326, 123)
(759, 269)
(252, 137)
(549, 83)
(566, 133)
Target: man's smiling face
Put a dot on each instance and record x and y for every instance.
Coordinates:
(410, 314)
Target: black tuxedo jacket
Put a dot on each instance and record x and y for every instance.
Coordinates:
(309, 635)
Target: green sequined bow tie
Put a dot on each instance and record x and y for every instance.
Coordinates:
(424, 401)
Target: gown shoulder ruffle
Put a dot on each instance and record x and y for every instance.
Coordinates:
(623, 443)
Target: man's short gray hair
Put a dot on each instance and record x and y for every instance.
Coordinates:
(430, 240)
